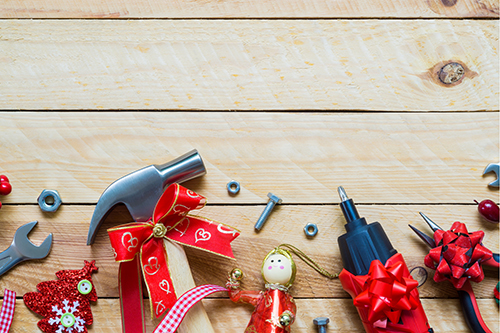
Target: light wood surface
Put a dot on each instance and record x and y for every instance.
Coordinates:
(246, 8)
(247, 64)
(445, 314)
(284, 226)
(291, 97)
(301, 157)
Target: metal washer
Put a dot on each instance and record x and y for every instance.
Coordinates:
(233, 187)
(313, 232)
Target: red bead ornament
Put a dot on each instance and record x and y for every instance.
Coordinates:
(458, 255)
(65, 303)
(5, 187)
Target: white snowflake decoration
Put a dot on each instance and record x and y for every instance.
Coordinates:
(79, 323)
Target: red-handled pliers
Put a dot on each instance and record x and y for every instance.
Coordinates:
(465, 293)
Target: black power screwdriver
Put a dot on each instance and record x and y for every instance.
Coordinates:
(362, 244)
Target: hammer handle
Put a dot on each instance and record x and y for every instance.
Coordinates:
(196, 320)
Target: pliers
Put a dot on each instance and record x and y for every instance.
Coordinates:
(465, 292)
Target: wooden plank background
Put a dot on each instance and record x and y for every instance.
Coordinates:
(388, 65)
(290, 97)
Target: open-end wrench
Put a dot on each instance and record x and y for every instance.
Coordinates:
(140, 190)
(23, 249)
(495, 167)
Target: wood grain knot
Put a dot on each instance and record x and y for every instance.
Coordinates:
(449, 73)
(449, 3)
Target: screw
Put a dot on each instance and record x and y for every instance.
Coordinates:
(273, 200)
(451, 73)
(321, 322)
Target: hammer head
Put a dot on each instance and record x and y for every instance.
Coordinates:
(140, 190)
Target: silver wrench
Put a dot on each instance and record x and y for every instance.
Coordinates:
(495, 167)
(23, 249)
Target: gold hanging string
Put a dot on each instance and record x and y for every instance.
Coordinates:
(308, 260)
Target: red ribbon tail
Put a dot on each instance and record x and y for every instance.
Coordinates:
(131, 305)
(156, 274)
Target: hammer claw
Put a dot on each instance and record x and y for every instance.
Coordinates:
(140, 190)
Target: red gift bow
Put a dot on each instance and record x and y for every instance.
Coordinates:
(458, 256)
(170, 221)
(384, 292)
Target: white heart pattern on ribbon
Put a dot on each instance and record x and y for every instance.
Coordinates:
(164, 283)
(202, 235)
(133, 241)
(152, 268)
(180, 210)
(160, 307)
(192, 194)
(181, 223)
(222, 231)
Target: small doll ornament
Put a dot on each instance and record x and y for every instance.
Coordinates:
(65, 303)
(275, 308)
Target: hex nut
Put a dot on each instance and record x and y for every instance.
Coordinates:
(233, 187)
(311, 229)
(49, 200)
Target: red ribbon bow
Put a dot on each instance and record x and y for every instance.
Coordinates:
(170, 221)
(458, 256)
(384, 292)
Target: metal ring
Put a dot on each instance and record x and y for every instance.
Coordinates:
(419, 274)
(311, 229)
(233, 187)
(49, 205)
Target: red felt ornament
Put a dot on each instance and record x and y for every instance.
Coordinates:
(458, 255)
(65, 303)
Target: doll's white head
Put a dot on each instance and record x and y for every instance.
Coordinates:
(279, 267)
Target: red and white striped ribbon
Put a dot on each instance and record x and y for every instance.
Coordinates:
(7, 313)
(174, 317)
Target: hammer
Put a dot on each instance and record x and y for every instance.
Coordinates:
(140, 191)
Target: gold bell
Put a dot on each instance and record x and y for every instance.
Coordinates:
(285, 319)
(237, 274)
